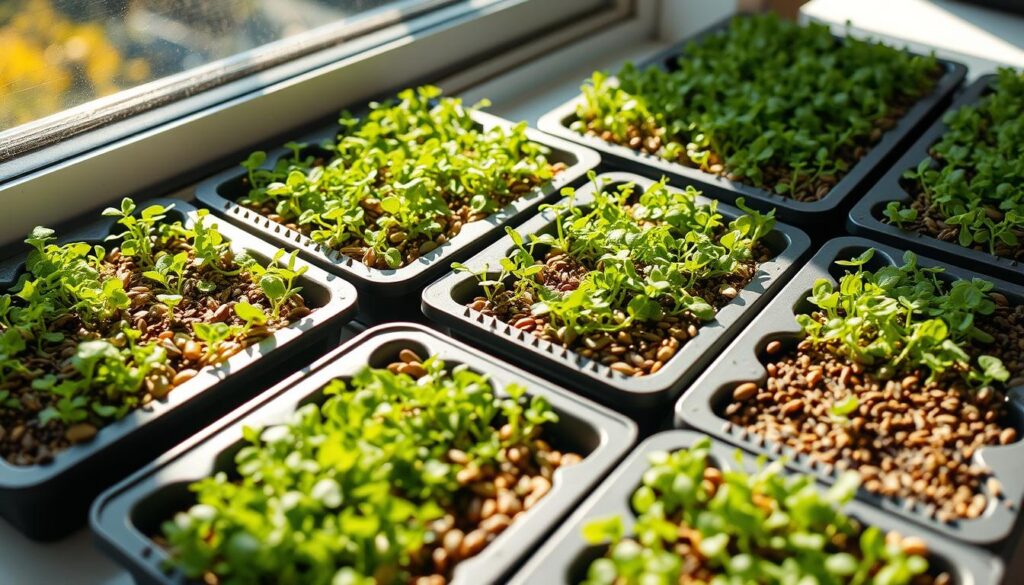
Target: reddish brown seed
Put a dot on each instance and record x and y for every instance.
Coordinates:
(744, 391)
(773, 347)
(409, 356)
(183, 376)
(80, 432)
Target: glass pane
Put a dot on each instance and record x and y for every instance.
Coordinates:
(56, 54)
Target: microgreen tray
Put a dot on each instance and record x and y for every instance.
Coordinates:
(46, 501)
(125, 517)
(865, 218)
(392, 293)
(566, 555)
(702, 409)
(812, 215)
(646, 398)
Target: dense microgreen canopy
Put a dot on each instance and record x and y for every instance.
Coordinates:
(899, 318)
(730, 527)
(408, 172)
(80, 331)
(974, 179)
(770, 103)
(345, 491)
(646, 255)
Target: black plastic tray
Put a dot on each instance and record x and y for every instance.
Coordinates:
(386, 295)
(812, 215)
(645, 399)
(123, 516)
(47, 501)
(566, 556)
(865, 217)
(740, 363)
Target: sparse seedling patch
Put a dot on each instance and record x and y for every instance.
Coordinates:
(401, 180)
(89, 333)
(971, 188)
(629, 278)
(901, 376)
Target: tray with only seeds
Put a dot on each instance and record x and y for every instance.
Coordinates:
(785, 115)
(622, 291)
(120, 338)
(901, 368)
(390, 197)
(402, 456)
(684, 508)
(957, 194)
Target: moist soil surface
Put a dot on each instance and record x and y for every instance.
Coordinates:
(908, 437)
(642, 349)
(411, 248)
(931, 222)
(23, 441)
(650, 140)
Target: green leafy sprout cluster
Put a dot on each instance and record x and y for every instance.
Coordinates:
(974, 179)
(767, 527)
(770, 103)
(399, 178)
(102, 377)
(899, 318)
(344, 492)
(648, 254)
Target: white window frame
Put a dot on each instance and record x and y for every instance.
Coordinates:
(169, 147)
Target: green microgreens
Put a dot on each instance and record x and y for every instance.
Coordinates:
(408, 173)
(974, 179)
(646, 258)
(344, 492)
(767, 527)
(899, 318)
(767, 102)
(71, 310)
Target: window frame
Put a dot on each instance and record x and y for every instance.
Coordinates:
(167, 147)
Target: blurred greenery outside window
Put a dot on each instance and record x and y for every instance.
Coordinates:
(58, 54)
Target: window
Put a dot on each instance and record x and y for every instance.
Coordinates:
(58, 56)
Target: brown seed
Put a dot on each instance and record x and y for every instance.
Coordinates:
(773, 347)
(508, 503)
(792, 407)
(183, 376)
(490, 508)
(467, 474)
(473, 543)
(526, 324)
(914, 545)
(452, 541)
(999, 298)
(496, 524)
(1007, 436)
(994, 487)
(80, 432)
(744, 391)
(158, 386)
(413, 369)
(570, 459)
(193, 350)
(623, 368)
(665, 353)
(440, 558)
(409, 356)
